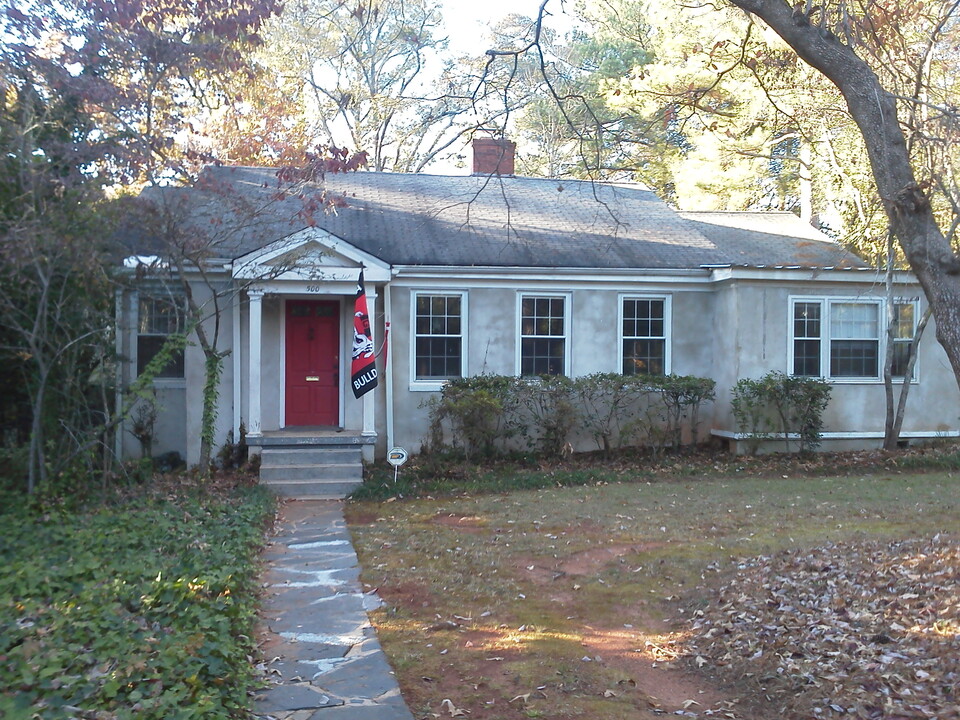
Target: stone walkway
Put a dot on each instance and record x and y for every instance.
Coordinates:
(326, 661)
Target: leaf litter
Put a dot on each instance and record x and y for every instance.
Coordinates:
(863, 629)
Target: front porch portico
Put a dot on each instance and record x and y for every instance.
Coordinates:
(299, 336)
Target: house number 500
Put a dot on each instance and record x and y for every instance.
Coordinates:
(313, 288)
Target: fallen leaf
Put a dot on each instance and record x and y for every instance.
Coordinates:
(447, 704)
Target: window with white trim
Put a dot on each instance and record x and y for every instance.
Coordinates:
(854, 339)
(543, 335)
(157, 318)
(904, 327)
(438, 331)
(844, 338)
(643, 331)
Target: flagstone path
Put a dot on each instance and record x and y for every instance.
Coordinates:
(325, 662)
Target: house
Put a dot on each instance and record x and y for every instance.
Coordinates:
(458, 268)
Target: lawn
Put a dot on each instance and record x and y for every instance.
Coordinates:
(621, 599)
(140, 606)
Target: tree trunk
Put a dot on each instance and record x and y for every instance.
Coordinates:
(875, 112)
(889, 437)
(894, 432)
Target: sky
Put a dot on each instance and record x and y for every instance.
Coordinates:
(467, 20)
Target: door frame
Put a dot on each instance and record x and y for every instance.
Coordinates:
(283, 353)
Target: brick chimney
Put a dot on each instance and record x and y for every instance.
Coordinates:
(493, 156)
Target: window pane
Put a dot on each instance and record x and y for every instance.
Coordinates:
(438, 358)
(542, 317)
(806, 358)
(854, 358)
(854, 321)
(542, 334)
(643, 357)
(806, 320)
(901, 356)
(644, 345)
(541, 356)
(147, 348)
(158, 318)
(903, 315)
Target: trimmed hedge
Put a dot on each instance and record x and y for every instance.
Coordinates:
(492, 415)
(781, 406)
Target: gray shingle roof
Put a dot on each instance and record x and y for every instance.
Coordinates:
(489, 221)
(771, 239)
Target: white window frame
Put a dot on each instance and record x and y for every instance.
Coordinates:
(567, 314)
(915, 302)
(826, 303)
(174, 299)
(667, 336)
(436, 384)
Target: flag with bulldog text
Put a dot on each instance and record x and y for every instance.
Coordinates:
(363, 371)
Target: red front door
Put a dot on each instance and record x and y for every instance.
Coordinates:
(313, 362)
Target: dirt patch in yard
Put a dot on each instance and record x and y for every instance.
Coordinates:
(647, 662)
(589, 562)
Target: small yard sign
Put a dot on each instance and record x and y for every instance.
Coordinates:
(397, 457)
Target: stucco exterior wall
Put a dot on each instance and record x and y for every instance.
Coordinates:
(723, 328)
(179, 400)
(754, 329)
(492, 337)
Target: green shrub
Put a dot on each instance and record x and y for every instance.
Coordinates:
(781, 405)
(475, 411)
(548, 412)
(490, 415)
(682, 396)
(607, 404)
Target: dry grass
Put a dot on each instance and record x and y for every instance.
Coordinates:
(572, 602)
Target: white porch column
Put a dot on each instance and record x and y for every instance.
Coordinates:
(369, 406)
(255, 343)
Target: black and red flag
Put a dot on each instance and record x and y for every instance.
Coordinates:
(363, 371)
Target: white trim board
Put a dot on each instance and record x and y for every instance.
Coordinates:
(852, 435)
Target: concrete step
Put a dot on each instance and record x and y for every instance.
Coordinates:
(310, 455)
(325, 471)
(313, 489)
(303, 469)
(295, 439)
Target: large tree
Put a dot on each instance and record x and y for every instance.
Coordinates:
(96, 95)
(828, 38)
(358, 70)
